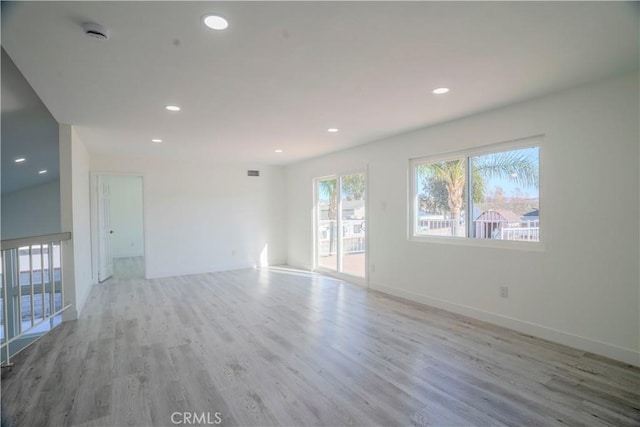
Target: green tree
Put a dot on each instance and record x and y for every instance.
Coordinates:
(328, 189)
(451, 175)
(434, 195)
(353, 186)
(515, 165)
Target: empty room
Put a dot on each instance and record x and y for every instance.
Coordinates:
(320, 213)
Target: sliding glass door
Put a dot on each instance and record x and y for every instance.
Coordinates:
(341, 224)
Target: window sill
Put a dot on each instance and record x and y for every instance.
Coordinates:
(481, 243)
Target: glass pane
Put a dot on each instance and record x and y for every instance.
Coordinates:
(506, 197)
(25, 265)
(327, 206)
(25, 313)
(353, 227)
(441, 198)
(57, 277)
(46, 278)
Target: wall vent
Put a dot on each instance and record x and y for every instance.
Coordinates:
(253, 173)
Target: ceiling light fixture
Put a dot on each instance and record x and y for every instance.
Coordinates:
(215, 22)
(172, 108)
(157, 141)
(441, 90)
(20, 160)
(333, 130)
(278, 151)
(42, 171)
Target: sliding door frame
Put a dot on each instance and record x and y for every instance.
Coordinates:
(362, 281)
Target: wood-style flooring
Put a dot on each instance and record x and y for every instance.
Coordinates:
(128, 268)
(283, 347)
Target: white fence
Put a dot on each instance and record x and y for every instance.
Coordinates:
(31, 290)
(352, 235)
(438, 226)
(528, 230)
(482, 229)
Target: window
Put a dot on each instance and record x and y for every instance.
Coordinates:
(491, 193)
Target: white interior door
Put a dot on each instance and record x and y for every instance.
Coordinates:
(105, 255)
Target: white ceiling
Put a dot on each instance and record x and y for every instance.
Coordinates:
(285, 72)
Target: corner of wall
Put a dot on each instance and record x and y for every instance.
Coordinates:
(75, 217)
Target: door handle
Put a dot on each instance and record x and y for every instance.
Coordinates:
(111, 231)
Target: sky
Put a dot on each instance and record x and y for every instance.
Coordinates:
(509, 186)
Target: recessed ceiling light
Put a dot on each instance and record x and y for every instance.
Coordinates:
(441, 90)
(278, 151)
(172, 108)
(42, 171)
(215, 22)
(20, 160)
(156, 140)
(333, 130)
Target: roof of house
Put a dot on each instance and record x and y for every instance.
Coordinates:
(506, 215)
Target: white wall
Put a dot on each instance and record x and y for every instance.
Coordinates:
(126, 216)
(75, 215)
(34, 211)
(582, 289)
(201, 217)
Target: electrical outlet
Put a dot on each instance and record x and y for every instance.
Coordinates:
(373, 268)
(504, 291)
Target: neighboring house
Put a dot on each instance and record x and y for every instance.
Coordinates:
(351, 209)
(490, 221)
(507, 225)
(531, 217)
(353, 227)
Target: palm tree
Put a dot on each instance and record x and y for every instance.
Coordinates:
(328, 188)
(452, 175)
(516, 165)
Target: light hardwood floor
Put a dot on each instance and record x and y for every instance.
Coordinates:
(280, 347)
(128, 268)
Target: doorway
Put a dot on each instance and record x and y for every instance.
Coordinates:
(341, 224)
(120, 227)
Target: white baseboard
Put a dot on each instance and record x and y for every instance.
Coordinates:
(213, 269)
(299, 265)
(576, 341)
(70, 314)
(160, 274)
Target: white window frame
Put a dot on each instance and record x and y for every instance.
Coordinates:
(534, 141)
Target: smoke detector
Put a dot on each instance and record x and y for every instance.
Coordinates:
(95, 31)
